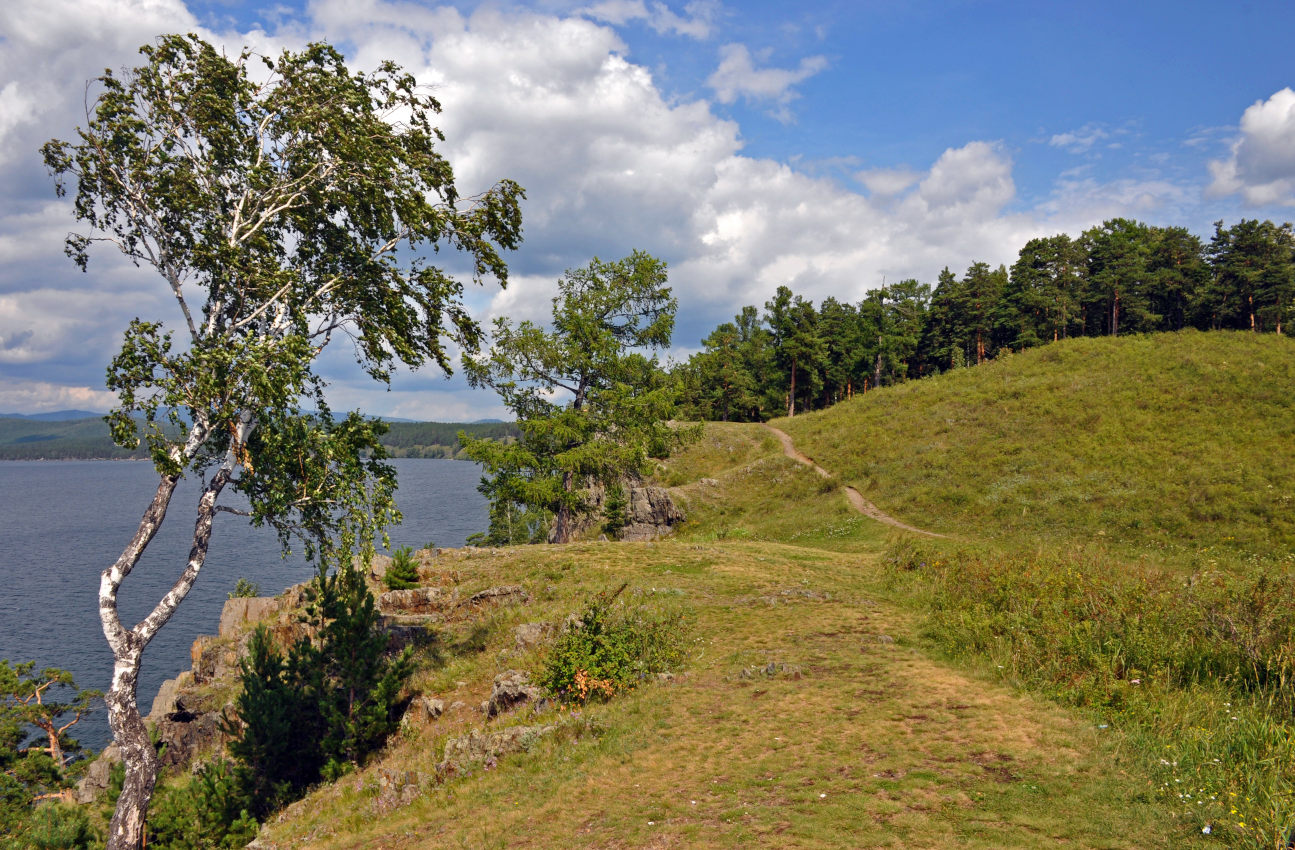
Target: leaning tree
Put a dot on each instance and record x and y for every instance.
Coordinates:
(284, 201)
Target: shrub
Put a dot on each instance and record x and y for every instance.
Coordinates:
(245, 589)
(402, 574)
(612, 648)
(208, 812)
(615, 510)
(57, 826)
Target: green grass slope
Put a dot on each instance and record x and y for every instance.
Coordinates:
(1174, 444)
(1047, 676)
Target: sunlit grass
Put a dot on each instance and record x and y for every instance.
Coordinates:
(1175, 447)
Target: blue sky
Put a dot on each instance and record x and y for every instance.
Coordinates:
(828, 146)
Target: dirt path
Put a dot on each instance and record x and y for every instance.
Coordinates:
(860, 504)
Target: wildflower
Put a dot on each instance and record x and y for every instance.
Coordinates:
(1206, 829)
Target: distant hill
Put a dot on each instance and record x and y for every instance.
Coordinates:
(1155, 444)
(86, 438)
(55, 416)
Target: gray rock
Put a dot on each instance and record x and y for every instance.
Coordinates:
(477, 746)
(96, 778)
(510, 690)
(423, 601)
(396, 789)
(508, 594)
(168, 695)
(529, 634)
(377, 567)
(651, 514)
(422, 711)
(187, 734)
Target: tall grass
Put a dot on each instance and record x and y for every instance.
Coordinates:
(1198, 671)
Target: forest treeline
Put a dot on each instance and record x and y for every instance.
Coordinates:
(1120, 277)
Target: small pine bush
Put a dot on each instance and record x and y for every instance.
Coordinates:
(403, 572)
(244, 589)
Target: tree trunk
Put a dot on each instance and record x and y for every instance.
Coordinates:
(791, 396)
(126, 832)
(1115, 315)
(564, 522)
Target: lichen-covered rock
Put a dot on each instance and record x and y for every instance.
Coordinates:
(508, 594)
(97, 776)
(482, 747)
(527, 635)
(420, 601)
(651, 513)
(396, 788)
(186, 734)
(510, 690)
(422, 711)
(241, 612)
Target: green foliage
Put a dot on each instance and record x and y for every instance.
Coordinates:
(280, 205)
(612, 401)
(209, 811)
(37, 710)
(1120, 277)
(402, 574)
(244, 589)
(57, 826)
(612, 648)
(330, 703)
(615, 509)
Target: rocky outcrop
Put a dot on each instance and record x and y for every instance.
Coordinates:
(418, 601)
(651, 513)
(487, 747)
(422, 711)
(189, 712)
(510, 690)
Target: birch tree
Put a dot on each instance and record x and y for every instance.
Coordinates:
(283, 202)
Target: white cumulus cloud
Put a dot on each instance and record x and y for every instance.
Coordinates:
(1261, 164)
(738, 77)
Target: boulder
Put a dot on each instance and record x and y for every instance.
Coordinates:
(97, 776)
(420, 601)
(529, 634)
(494, 597)
(510, 690)
(478, 746)
(651, 513)
(422, 711)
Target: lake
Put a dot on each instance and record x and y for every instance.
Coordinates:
(63, 522)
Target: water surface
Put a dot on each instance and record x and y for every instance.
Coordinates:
(63, 522)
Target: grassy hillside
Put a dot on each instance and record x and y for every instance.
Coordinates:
(1102, 655)
(1178, 444)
